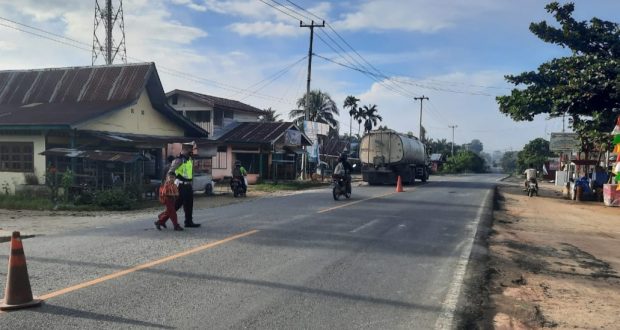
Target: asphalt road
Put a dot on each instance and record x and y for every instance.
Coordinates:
(381, 260)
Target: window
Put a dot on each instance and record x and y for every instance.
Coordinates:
(229, 114)
(16, 157)
(174, 99)
(218, 117)
(219, 161)
(199, 116)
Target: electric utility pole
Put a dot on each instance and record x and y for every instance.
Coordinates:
(106, 19)
(453, 127)
(307, 107)
(422, 98)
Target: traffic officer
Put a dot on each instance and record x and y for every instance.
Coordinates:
(183, 167)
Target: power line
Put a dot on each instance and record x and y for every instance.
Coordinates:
(280, 10)
(265, 82)
(163, 69)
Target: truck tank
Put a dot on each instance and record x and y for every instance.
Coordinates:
(391, 148)
(387, 155)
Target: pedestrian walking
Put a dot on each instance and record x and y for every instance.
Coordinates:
(183, 167)
(168, 195)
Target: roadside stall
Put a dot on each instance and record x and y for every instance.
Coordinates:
(611, 191)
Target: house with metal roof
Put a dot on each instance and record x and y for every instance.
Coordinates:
(98, 121)
(212, 113)
(269, 150)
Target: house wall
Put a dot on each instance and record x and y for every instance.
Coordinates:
(188, 104)
(15, 178)
(140, 118)
(219, 173)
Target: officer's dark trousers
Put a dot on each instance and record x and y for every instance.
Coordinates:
(186, 198)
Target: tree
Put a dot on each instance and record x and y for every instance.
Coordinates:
(270, 115)
(534, 152)
(475, 145)
(441, 146)
(583, 86)
(351, 103)
(370, 113)
(465, 161)
(509, 162)
(321, 109)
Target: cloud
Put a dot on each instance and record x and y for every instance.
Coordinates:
(265, 29)
(190, 4)
(477, 116)
(417, 15)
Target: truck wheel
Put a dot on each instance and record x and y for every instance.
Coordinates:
(424, 176)
(209, 189)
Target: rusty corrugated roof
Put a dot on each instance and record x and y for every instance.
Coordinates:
(216, 102)
(68, 95)
(92, 84)
(257, 132)
(95, 155)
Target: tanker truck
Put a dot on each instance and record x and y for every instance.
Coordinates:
(386, 154)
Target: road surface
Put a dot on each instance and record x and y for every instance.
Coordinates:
(381, 260)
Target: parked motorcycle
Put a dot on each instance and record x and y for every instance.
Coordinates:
(531, 188)
(237, 187)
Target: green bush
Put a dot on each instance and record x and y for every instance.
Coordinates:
(115, 199)
(465, 161)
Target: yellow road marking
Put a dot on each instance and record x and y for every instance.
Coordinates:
(362, 200)
(144, 266)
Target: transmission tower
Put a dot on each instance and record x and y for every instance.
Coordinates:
(109, 23)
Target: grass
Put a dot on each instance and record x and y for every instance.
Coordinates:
(23, 202)
(16, 202)
(292, 185)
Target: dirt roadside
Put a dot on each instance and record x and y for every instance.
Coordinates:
(553, 263)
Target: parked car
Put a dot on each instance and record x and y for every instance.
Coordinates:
(203, 182)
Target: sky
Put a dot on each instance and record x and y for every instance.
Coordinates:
(384, 52)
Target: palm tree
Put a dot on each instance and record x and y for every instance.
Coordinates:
(372, 117)
(351, 103)
(359, 116)
(270, 115)
(321, 109)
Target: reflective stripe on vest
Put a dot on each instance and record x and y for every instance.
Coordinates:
(185, 170)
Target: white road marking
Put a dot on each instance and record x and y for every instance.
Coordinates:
(364, 226)
(448, 308)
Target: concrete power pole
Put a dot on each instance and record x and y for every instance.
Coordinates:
(422, 98)
(452, 127)
(109, 20)
(307, 106)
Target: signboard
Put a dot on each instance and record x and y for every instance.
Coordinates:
(564, 142)
(313, 128)
(292, 138)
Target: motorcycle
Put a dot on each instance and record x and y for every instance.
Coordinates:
(531, 188)
(237, 187)
(341, 187)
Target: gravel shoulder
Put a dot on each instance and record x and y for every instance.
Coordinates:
(553, 262)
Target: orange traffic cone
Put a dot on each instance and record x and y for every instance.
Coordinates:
(399, 185)
(18, 293)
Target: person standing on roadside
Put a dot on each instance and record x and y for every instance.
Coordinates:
(183, 167)
(170, 193)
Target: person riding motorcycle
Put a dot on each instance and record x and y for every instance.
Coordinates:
(239, 173)
(343, 171)
(530, 176)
